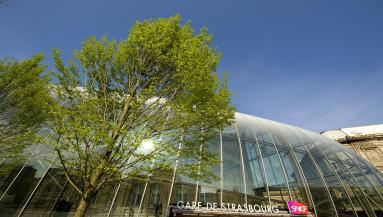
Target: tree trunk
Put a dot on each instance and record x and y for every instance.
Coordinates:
(82, 207)
(88, 194)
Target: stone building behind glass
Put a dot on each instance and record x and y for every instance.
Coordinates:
(367, 141)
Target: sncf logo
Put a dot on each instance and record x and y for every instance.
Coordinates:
(297, 208)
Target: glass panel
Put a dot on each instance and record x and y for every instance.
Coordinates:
(358, 200)
(127, 199)
(256, 188)
(137, 191)
(208, 194)
(338, 193)
(321, 198)
(336, 155)
(26, 182)
(230, 131)
(211, 191)
(278, 191)
(364, 182)
(213, 147)
(9, 168)
(232, 172)
(66, 202)
(368, 171)
(257, 192)
(156, 199)
(183, 192)
(232, 197)
(255, 177)
(47, 194)
(69, 198)
(100, 204)
(296, 185)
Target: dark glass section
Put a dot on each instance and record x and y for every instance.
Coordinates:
(101, 202)
(127, 199)
(257, 192)
(321, 197)
(209, 194)
(18, 194)
(295, 180)
(183, 192)
(47, 195)
(323, 203)
(296, 186)
(155, 200)
(9, 169)
(233, 197)
(232, 171)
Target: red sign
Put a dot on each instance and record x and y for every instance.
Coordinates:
(297, 208)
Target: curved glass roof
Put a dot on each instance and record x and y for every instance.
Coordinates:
(262, 163)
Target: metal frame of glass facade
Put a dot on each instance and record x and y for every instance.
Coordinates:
(262, 162)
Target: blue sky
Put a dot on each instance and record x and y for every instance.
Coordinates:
(313, 64)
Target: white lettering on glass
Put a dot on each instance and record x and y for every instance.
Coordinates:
(232, 207)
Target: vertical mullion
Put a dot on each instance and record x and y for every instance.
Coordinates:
(198, 174)
(242, 163)
(144, 191)
(221, 156)
(114, 199)
(173, 180)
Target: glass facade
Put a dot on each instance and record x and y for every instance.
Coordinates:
(261, 162)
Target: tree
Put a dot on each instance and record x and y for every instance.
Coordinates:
(129, 105)
(24, 102)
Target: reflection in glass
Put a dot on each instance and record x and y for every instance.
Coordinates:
(232, 172)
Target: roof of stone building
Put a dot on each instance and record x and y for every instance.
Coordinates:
(355, 133)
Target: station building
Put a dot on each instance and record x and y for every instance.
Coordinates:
(267, 169)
